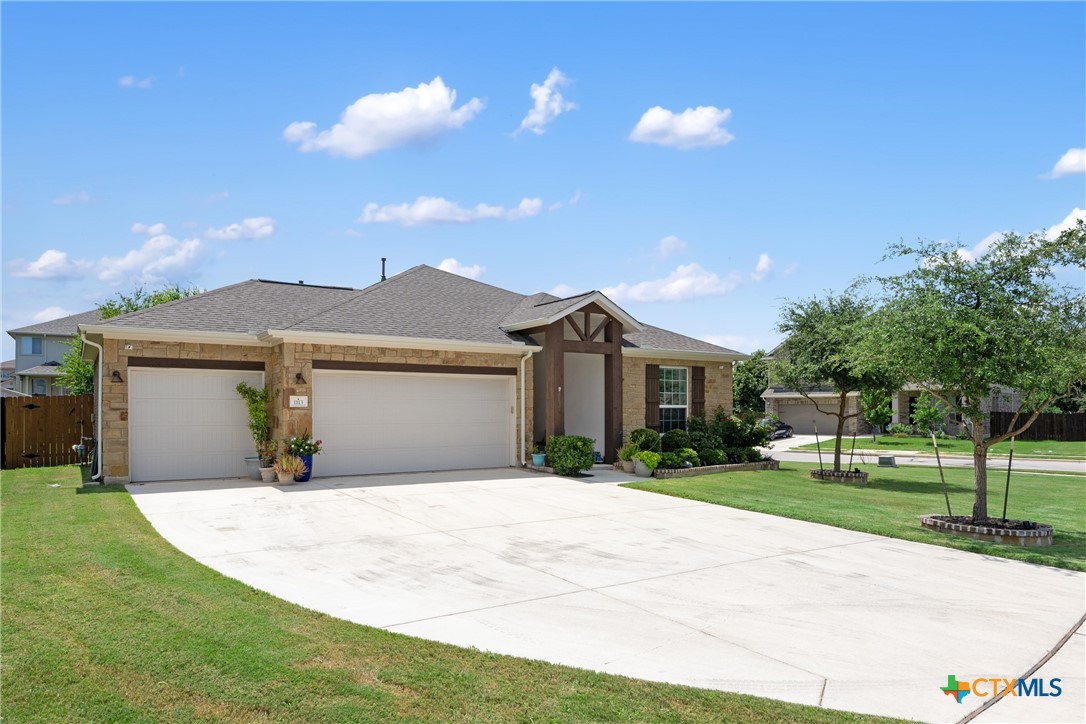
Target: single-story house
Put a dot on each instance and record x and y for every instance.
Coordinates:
(39, 349)
(423, 371)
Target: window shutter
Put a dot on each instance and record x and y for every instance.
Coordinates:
(652, 397)
(697, 391)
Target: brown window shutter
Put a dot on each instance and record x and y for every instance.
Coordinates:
(697, 391)
(652, 397)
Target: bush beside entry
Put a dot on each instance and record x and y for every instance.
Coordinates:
(645, 439)
(570, 454)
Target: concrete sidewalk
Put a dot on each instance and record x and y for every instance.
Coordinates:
(650, 586)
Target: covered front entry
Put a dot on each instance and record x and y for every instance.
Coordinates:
(386, 422)
(187, 424)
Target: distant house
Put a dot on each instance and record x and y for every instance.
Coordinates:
(39, 349)
(7, 374)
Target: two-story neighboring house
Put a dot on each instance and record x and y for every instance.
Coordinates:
(39, 349)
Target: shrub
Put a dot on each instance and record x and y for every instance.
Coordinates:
(963, 433)
(650, 459)
(646, 439)
(627, 452)
(696, 425)
(671, 460)
(898, 429)
(750, 455)
(689, 456)
(713, 457)
(736, 433)
(570, 454)
(675, 440)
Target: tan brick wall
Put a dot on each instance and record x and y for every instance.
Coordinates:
(718, 387)
(115, 394)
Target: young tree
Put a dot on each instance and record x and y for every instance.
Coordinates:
(877, 408)
(820, 350)
(749, 380)
(928, 413)
(77, 375)
(959, 326)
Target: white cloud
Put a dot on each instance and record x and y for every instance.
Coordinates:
(762, 268)
(573, 201)
(454, 267)
(699, 127)
(161, 259)
(152, 230)
(1072, 162)
(254, 228)
(52, 264)
(1071, 219)
(982, 247)
(381, 121)
(688, 281)
(50, 313)
(670, 245)
(564, 290)
(130, 81)
(79, 197)
(549, 103)
(437, 210)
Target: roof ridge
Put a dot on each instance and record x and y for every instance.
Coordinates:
(564, 299)
(360, 293)
(476, 281)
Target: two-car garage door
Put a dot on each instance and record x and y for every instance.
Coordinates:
(804, 416)
(380, 422)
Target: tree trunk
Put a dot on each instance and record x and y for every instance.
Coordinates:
(840, 433)
(980, 471)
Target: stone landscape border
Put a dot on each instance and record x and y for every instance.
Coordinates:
(664, 473)
(1042, 536)
(844, 476)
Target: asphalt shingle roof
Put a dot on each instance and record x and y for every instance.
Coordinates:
(421, 302)
(45, 370)
(60, 327)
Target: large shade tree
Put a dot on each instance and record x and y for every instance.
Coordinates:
(749, 380)
(819, 351)
(77, 375)
(962, 327)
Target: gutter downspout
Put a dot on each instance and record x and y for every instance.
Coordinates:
(97, 406)
(523, 421)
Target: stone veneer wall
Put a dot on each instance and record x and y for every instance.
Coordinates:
(282, 363)
(115, 394)
(718, 387)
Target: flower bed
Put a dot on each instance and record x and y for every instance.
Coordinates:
(708, 469)
(1016, 532)
(852, 477)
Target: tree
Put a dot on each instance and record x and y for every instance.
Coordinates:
(819, 350)
(877, 407)
(960, 327)
(77, 375)
(749, 380)
(928, 413)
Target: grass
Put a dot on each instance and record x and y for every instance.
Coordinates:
(895, 498)
(954, 446)
(105, 621)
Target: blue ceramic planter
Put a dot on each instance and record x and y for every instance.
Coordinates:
(304, 477)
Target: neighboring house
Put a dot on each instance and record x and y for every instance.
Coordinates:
(7, 374)
(40, 348)
(424, 371)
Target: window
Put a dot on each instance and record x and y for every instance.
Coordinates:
(39, 387)
(30, 345)
(673, 398)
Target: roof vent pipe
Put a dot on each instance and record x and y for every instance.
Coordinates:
(383, 268)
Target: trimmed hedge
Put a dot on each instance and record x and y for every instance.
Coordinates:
(646, 439)
(570, 454)
(675, 440)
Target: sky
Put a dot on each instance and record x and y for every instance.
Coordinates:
(701, 164)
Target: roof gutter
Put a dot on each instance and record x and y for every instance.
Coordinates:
(684, 354)
(97, 476)
(111, 331)
(274, 336)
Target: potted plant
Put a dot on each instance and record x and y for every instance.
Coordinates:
(645, 462)
(626, 456)
(538, 456)
(256, 404)
(267, 450)
(290, 468)
(305, 447)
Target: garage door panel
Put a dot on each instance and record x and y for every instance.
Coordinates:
(804, 417)
(188, 424)
(372, 422)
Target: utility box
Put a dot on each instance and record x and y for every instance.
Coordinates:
(887, 461)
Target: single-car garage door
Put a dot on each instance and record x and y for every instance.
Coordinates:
(803, 418)
(382, 422)
(187, 424)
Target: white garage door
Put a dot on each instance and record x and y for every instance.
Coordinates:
(382, 422)
(187, 424)
(803, 418)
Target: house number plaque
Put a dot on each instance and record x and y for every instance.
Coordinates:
(299, 401)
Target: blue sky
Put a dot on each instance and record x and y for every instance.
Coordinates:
(700, 163)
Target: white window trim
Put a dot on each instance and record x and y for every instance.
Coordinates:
(685, 407)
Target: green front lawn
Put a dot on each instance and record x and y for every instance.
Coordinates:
(954, 446)
(102, 620)
(895, 498)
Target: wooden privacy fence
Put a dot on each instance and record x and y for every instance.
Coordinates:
(1047, 426)
(40, 431)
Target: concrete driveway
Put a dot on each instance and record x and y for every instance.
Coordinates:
(644, 585)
